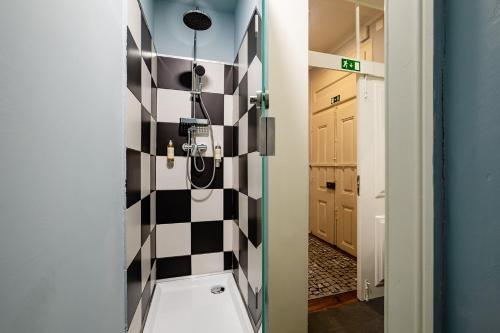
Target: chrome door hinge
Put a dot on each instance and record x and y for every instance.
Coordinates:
(358, 181)
(262, 98)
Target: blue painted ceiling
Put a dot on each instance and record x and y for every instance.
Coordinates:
(219, 5)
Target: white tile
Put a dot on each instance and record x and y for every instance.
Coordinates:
(136, 323)
(243, 213)
(236, 239)
(218, 132)
(173, 105)
(153, 210)
(243, 58)
(171, 175)
(145, 175)
(236, 172)
(236, 106)
(152, 144)
(154, 66)
(146, 86)
(254, 266)
(243, 284)
(228, 110)
(134, 21)
(145, 261)
(213, 81)
(207, 263)
(255, 175)
(243, 135)
(133, 127)
(173, 240)
(153, 276)
(254, 79)
(228, 235)
(228, 172)
(133, 230)
(207, 205)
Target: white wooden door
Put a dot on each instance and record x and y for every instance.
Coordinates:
(371, 200)
(345, 176)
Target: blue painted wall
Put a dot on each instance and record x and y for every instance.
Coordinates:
(172, 37)
(472, 166)
(62, 170)
(148, 10)
(243, 14)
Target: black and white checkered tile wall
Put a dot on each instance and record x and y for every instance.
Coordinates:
(220, 228)
(247, 238)
(194, 226)
(141, 168)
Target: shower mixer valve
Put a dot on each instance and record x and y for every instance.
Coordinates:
(194, 148)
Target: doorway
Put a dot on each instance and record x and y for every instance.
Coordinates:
(346, 152)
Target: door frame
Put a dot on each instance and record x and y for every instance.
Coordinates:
(409, 50)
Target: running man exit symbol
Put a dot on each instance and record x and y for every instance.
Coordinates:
(351, 65)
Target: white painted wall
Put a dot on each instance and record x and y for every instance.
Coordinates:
(288, 191)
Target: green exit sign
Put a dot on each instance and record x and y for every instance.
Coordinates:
(351, 65)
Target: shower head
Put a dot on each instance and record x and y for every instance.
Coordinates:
(199, 70)
(197, 20)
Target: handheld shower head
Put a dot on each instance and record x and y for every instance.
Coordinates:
(199, 70)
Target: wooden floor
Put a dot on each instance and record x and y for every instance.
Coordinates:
(334, 301)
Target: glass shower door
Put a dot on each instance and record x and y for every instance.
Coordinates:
(266, 126)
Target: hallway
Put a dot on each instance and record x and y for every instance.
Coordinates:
(331, 271)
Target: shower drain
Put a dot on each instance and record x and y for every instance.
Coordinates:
(217, 290)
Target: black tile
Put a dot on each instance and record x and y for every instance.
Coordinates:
(254, 39)
(243, 174)
(153, 246)
(207, 237)
(152, 175)
(174, 73)
(214, 104)
(236, 204)
(154, 100)
(236, 140)
(133, 66)
(243, 255)
(146, 299)
(228, 141)
(228, 260)
(236, 77)
(173, 267)
(254, 221)
(254, 304)
(133, 182)
(166, 132)
(145, 218)
(201, 179)
(228, 204)
(235, 269)
(133, 286)
(146, 43)
(145, 130)
(228, 79)
(243, 96)
(173, 206)
(253, 129)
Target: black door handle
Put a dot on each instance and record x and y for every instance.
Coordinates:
(330, 185)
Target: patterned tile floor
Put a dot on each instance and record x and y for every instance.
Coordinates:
(331, 271)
